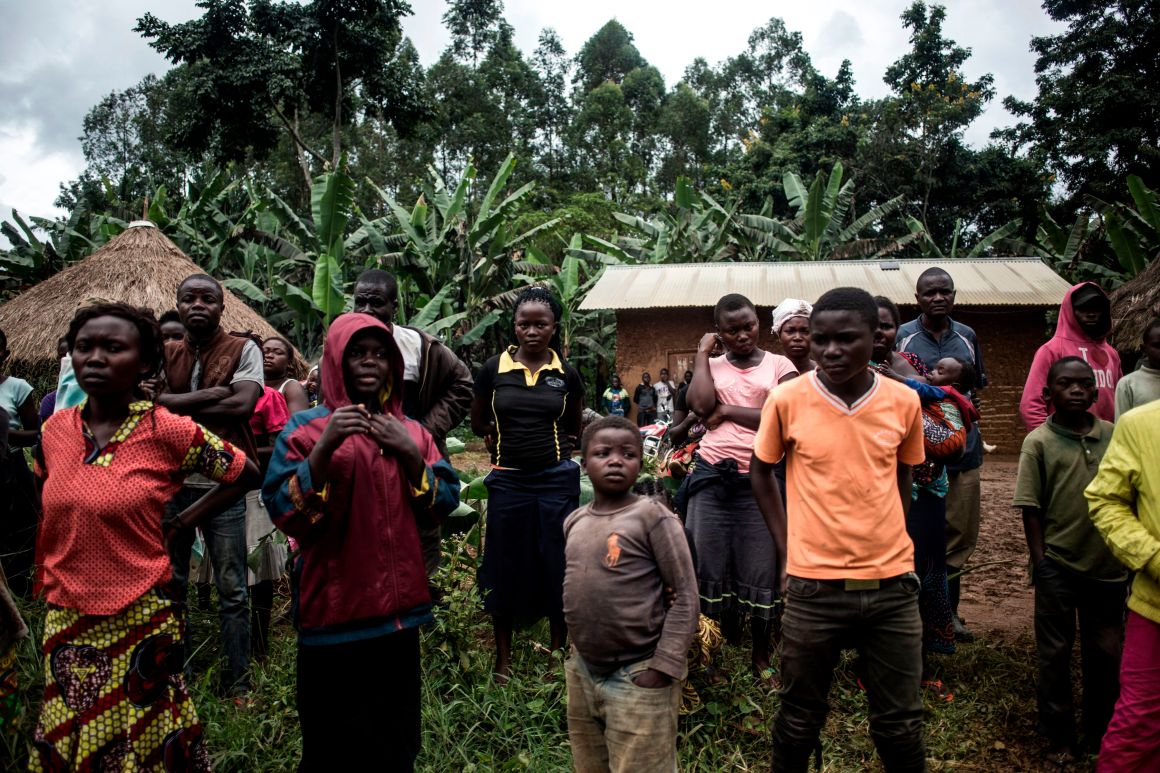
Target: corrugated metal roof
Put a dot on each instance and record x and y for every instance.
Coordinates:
(982, 282)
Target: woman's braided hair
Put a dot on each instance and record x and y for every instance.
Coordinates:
(537, 294)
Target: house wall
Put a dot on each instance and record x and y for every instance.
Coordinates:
(649, 339)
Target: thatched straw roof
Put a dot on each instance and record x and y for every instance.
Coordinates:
(140, 266)
(1134, 304)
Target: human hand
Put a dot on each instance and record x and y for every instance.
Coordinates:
(344, 422)
(669, 594)
(719, 415)
(652, 679)
(392, 435)
(889, 372)
(710, 344)
(152, 388)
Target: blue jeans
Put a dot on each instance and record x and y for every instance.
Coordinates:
(821, 619)
(225, 541)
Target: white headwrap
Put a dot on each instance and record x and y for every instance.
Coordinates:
(788, 309)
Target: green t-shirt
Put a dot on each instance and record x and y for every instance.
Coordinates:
(1055, 466)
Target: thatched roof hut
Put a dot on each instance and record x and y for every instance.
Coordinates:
(140, 266)
(1134, 304)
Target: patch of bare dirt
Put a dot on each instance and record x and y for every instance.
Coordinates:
(996, 599)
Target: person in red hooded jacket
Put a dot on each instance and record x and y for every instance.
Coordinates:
(352, 480)
(1085, 319)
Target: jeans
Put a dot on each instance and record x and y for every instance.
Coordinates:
(1132, 742)
(614, 725)
(225, 541)
(1061, 594)
(822, 618)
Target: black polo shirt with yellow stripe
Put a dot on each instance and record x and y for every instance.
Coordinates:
(528, 408)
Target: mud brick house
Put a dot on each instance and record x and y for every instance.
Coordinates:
(663, 310)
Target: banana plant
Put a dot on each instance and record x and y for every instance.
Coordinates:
(458, 250)
(819, 230)
(931, 251)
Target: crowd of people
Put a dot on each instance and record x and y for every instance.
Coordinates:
(829, 497)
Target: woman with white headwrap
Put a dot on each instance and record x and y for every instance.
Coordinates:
(791, 325)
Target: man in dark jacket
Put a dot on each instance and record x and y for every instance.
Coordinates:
(437, 386)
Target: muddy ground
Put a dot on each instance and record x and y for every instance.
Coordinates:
(996, 598)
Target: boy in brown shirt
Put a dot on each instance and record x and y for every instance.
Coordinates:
(629, 652)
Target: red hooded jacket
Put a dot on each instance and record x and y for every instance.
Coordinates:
(361, 567)
(1070, 340)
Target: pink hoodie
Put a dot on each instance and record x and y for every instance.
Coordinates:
(1070, 340)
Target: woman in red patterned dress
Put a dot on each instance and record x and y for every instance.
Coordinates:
(114, 695)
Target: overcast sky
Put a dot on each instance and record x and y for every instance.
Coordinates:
(59, 57)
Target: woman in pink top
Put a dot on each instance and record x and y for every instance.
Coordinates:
(734, 550)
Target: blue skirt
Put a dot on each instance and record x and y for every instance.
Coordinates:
(522, 573)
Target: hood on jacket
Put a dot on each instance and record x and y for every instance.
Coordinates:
(1068, 326)
(344, 328)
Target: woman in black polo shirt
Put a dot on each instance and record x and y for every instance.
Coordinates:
(527, 408)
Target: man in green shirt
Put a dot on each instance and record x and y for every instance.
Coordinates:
(1073, 571)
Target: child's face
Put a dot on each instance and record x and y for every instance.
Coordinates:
(612, 461)
(366, 366)
(947, 372)
(1073, 390)
(172, 331)
(738, 331)
(841, 343)
(1152, 347)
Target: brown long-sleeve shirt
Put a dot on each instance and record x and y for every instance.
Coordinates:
(616, 568)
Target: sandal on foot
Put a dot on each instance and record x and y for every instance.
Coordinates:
(939, 690)
(767, 677)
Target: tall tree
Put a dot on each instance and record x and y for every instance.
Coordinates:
(474, 26)
(125, 149)
(1096, 118)
(551, 63)
(609, 55)
(258, 69)
(934, 102)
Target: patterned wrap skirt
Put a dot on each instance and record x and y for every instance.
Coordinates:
(114, 694)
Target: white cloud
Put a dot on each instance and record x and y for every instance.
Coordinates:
(58, 59)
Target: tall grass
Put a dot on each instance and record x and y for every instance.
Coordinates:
(470, 723)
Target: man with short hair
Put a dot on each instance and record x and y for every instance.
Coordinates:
(933, 336)
(437, 386)
(215, 377)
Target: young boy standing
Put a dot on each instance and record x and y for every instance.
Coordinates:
(629, 652)
(849, 439)
(1073, 571)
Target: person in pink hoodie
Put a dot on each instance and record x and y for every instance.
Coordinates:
(1085, 319)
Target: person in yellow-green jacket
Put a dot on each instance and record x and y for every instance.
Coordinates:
(1124, 502)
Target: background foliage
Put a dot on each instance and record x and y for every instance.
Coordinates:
(293, 144)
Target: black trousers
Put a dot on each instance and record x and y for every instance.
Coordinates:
(1060, 596)
(359, 704)
(884, 627)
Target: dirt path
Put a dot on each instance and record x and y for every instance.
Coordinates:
(996, 599)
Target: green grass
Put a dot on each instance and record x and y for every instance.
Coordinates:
(470, 723)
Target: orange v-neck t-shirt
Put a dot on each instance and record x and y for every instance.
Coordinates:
(844, 514)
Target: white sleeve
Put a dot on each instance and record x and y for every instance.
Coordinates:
(250, 365)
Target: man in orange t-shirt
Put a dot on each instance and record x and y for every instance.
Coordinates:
(846, 564)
